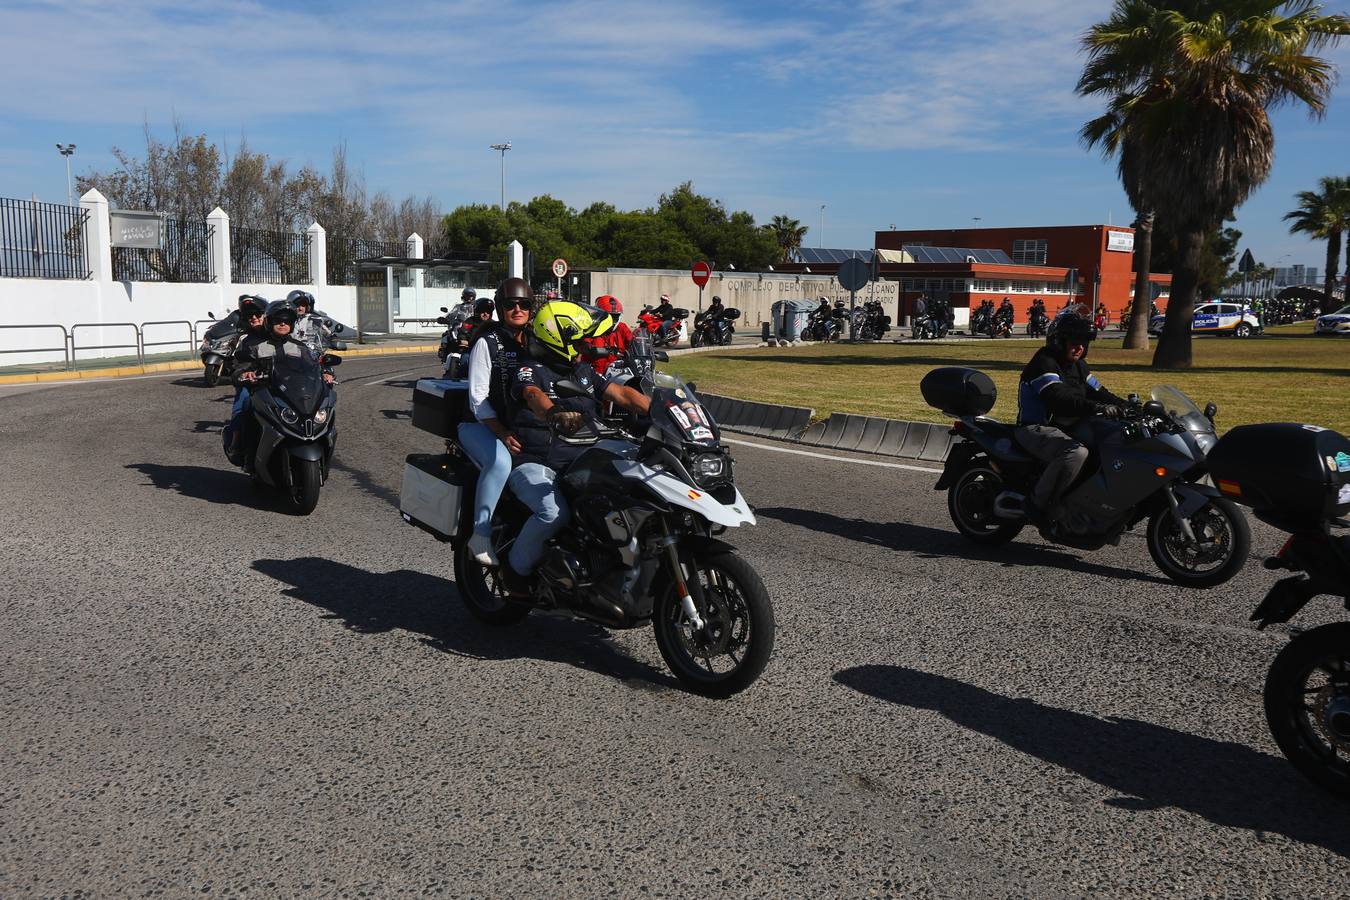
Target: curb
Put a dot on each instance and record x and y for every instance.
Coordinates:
(176, 366)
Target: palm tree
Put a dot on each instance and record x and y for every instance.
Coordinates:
(1195, 80)
(1324, 215)
(788, 234)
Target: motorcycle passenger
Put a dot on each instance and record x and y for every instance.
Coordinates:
(498, 347)
(238, 320)
(617, 340)
(309, 325)
(1056, 391)
(541, 418)
(252, 313)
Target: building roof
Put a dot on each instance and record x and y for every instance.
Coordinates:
(815, 255)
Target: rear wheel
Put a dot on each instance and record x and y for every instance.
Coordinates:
(306, 479)
(212, 374)
(970, 501)
(1307, 700)
(481, 592)
(1223, 540)
(733, 647)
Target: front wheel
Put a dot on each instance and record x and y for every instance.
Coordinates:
(306, 479)
(733, 647)
(212, 374)
(1223, 539)
(1243, 330)
(970, 502)
(1307, 701)
(482, 595)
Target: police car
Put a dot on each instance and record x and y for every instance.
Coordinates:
(1217, 318)
(1337, 322)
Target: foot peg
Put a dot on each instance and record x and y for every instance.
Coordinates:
(1010, 505)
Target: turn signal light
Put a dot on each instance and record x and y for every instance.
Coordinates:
(1160, 472)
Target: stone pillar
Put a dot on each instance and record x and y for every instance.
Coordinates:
(515, 260)
(98, 235)
(220, 255)
(318, 257)
(416, 250)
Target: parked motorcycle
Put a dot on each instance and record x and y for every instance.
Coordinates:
(827, 326)
(714, 329)
(665, 332)
(1297, 479)
(871, 321)
(296, 428)
(641, 547)
(1147, 465)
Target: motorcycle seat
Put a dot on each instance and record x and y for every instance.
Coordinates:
(1002, 439)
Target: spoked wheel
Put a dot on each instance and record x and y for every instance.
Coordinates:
(1308, 705)
(1223, 539)
(212, 374)
(733, 647)
(306, 479)
(971, 504)
(481, 591)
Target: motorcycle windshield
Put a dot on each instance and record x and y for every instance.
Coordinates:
(677, 411)
(299, 380)
(1183, 409)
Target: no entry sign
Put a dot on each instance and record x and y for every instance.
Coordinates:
(559, 267)
(702, 272)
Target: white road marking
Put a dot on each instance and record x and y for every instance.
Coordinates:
(843, 459)
(392, 377)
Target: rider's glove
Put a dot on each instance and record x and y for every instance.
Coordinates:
(1109, 411)
(564, 420)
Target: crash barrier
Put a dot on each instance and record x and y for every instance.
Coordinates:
(190, 341)
(64, 348)
(136, 345)
(70, 345)
(840, 431)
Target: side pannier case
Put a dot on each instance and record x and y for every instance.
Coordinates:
(439, 406)
(434, 492)
(958, 391)
(1294, 476)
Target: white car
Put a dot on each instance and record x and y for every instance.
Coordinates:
(1217, 318)
(1337, 322)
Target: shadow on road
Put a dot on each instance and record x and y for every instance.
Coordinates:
(207, 426)
(937, 543)
(201, 483)
(366, 483)
(427, 605)
(1151, 766)
(396, 413)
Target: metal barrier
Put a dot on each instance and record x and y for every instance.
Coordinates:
(191, 341)
(64, 348)
(140, 357)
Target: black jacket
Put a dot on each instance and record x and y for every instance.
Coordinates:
(1051, 392)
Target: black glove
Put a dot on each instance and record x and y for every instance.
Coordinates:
(1109, 410)
(564, 420)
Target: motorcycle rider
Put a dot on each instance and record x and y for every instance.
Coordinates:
(252, 313)
(238, 319)
(310, 329)
(1057, 391)
(541, 417)
(1005, 312)
(498, 347)
(617, 340)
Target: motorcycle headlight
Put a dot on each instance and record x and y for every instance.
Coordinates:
(321, 416)
(288, 415)
(709, 467)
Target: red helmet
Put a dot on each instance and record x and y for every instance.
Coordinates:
(610, 305)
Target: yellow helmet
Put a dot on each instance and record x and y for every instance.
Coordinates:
(561, 326)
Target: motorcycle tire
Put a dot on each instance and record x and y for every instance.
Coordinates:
(970, 503)
(1298, 713)
(737, 614)
(306, 480)
(212, 375)
(479, 596)
(1163, 534)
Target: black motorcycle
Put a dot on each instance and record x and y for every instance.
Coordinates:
(1145, 466)
(1038, 323)
(714, 329)
(217, 349)
(1297, 479)
(871, 322)
(458, 324)
(296, 427)
(982, 321)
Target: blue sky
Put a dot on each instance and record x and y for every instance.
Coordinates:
(921, 113)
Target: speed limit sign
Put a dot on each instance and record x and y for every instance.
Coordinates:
(559, 267)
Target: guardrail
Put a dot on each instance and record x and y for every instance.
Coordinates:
(191, 341)
(74, 348)
(64, 348)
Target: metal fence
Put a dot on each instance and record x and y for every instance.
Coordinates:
(268, 257)
(42, 240)
(343, 252)
(185, 256)
(184, 335)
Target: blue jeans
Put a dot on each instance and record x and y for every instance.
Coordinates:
(494, 465)
(534, 486)
(236, 413)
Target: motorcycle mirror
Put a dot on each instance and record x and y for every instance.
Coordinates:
(210, 315)
(330, 360)
(443, 309)
(569, 388)
(693, 387)
(338, 328)
(1155, 408)
(661, 356)
(1211, 411)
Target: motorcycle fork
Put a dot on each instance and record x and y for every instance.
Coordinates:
(671, 543)
(1182, 522)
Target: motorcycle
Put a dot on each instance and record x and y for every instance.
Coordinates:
(318, 332)
(665, 332)
(1297, 479)
(455, 339)
(1147, 465)
(825, 327)
(714, 330)
(296, 429)
(642, 547)
(982, 322)
(870, 321)
(1002, 325)
(1038, 323)
(217, 349)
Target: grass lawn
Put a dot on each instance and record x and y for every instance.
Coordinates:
(1286, 375)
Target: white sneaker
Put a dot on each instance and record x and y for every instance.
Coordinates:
(480, 545)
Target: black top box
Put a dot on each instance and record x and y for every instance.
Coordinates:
(1294, 476)
(958, 391)
(439, 405)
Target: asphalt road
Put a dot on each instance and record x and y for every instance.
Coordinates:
(203, 694)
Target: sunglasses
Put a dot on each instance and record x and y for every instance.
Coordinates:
(517, 304)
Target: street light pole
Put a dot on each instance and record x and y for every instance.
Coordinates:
(820, 240)
(503, 148)
(67, 150)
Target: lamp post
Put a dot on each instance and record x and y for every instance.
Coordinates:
(503, 148)
(67, 150)
(820, 239)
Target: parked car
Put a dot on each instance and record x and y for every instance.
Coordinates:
(1217, 318)
(1337, 322)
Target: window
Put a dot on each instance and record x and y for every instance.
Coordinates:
(1029, 253)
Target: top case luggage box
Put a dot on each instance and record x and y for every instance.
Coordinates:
(439, 405)
(959, 391)
(1293, 475)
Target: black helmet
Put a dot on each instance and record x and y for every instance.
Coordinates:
(250, 305)
(1070, 327)
(513, 289)
(280, 311)
(468, 295)
(483, 306)
(296, 297)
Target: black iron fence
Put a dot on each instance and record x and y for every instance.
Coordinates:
(343, 252)
(185, 256)
(42, 240)
(268, 257)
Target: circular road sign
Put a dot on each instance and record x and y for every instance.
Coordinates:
(702, 272)
(853, 274)
(559, 267)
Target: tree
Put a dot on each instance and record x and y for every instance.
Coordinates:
(1324, 215)
(1198, 78)
(788, 234)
